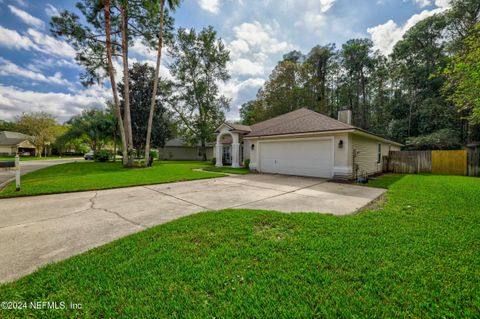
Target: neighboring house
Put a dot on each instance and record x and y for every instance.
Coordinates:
(12, 143)
(304, 143)
(178, 149)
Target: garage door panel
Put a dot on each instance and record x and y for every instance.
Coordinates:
(308, 158)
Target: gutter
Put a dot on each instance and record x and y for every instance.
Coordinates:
(347, 130)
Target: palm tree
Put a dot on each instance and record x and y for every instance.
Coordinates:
(113, 83)
(172, 5)
(127, 117)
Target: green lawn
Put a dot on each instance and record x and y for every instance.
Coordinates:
(417, 257)
(89, 175)
(35, 158)
(229, 170)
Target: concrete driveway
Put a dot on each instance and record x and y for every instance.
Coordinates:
(37, 230)
(30, 166)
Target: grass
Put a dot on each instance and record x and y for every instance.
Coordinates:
(229, 170)
(35, 158)
(89, 175)
(417, 257)
(384, 181)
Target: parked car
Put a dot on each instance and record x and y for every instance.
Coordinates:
(88, 156)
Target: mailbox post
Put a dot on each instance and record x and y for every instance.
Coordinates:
(17, 173)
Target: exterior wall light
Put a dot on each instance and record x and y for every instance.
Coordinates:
(252, 147)
(340, 144)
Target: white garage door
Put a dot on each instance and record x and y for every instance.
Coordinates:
(303, 158)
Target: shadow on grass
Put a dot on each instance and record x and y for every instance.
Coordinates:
(385, 181)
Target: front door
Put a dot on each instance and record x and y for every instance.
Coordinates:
(227, 157)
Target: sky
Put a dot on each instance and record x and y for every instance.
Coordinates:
(38, 72)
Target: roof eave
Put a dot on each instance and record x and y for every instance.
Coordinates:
(345, 130)
(360, 131)
(223, 124)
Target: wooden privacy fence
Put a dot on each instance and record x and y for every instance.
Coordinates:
(408, 162)
(456, 162)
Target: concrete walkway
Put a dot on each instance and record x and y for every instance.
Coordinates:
(37, 230)
(30, 166)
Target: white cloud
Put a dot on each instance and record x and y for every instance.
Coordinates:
(14, 101)
(260, 36)
(312, 21)
(314, 6)
(27, 17)
(385, 36)
(11, 39)
(253, 47)
(35, 40)
(254, 51)
(443, 4)
(7, 68)
(212, 6)
(245, 67)
(51, 10)
(48, 63)
(325, 5)
(50, 45)
(237, 90)
(423, 3)
(239, 47)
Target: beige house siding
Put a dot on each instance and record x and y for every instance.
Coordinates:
(365, 148)
(7, 150)
(365, 154)
(183, 153)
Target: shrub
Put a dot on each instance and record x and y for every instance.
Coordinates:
(445, 139)
(213, 160)
(153, 156)
(246, 163)
(102, 156)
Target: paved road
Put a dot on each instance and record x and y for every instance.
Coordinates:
(37, 230)
(30, 166)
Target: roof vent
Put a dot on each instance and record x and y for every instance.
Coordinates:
(345, 116)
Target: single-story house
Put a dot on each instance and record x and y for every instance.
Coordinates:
(12, 143)
(178, 149)
(304, 143)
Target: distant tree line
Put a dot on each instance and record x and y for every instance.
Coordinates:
(425, 93)
(427, 88)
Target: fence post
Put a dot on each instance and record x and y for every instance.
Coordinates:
(17, 173)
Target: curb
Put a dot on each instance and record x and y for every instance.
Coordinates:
(4, 184)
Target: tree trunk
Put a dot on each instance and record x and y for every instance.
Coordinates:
(203, 150)
(114, 146)
(111, 73)
(155, 85)
(128, 121)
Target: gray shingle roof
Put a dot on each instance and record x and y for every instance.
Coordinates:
(299, 121)
(239, 127)
(12, 138)
(180, 142)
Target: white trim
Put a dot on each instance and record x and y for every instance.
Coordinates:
(223, 124)
(354, 131)
(343, 169)
(375, 137)
(296, 135)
